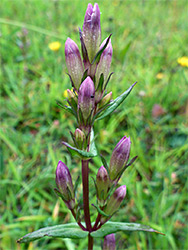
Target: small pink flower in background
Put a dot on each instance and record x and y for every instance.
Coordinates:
(157, 111)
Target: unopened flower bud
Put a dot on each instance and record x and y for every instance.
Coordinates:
(92, 30)
(98, 96)
(70, 94)
(105, 62)
(86, 97)
(64, 184)
(74, 62)
(102, 184)
(114, 202)
(119, 157)
(105, 100)
(72, 98)
(109, 242)
(79, 137)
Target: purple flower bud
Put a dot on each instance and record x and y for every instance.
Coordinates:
(102, 184)
(86, 97)
(119, 157)
(114, 202)
(64, 184)
(74, 62)
(79, 137)
(92, 30)
(109, 242)
(105, 62)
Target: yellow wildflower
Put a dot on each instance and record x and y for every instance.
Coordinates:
(54, 46)
(160, 76)
(65, 93)
(183, 61)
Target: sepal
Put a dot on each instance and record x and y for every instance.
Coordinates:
(99, 53)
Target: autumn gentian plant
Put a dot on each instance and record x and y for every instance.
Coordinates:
(89, 101)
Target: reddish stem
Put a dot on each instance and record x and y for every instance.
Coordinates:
(96, 222)
(78, 222)
(90, 242)
(85, 183)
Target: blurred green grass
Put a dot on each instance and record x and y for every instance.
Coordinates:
(148, 38)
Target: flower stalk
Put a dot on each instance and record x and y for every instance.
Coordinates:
(85, 183)
(89, 78)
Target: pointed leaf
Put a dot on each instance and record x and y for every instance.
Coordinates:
(104, 163)
(108, 80)
(83, 47)
(76, 183)
(132, 160)
(71, 230)
(99, 53)
(126, 166)
(94, 181)
(114, 227)
(114, 104)
(84, 75)
(67, 108)
(71, 80)
(59, 194)
(100, 211)
(81, 153)
(93, 149)
(101, 81)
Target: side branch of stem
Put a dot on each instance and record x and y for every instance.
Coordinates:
(78, 222)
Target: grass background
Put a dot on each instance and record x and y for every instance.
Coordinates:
(148, 38)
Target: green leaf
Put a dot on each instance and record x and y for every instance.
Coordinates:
(71, 230)
(114, 104)
(104, 163)
(65, 107)
(100, 211)
(126, 166)
(122, 53)
(114, 227)
(83, 47)
(81, 153)
(99, 53)
(101, 81)
(108, 80)
(92, 143)
(84, 75)
(76, 184)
